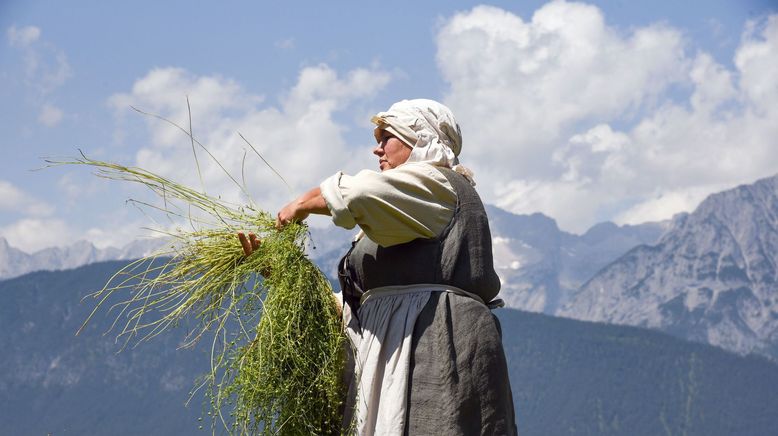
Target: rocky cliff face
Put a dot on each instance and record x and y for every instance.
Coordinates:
(711, 278)
(540, 265)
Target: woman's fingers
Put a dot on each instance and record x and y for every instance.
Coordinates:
(279, 224)
(245, 243)
(289, 214)
(254, 241)
(282, 220)
(249, 244)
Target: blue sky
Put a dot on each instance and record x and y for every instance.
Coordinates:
(615, 110)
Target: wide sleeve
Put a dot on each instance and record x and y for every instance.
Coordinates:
(411, 201)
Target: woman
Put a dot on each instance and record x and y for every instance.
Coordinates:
(418, 283)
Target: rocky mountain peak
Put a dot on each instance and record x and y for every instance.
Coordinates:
(711, 277)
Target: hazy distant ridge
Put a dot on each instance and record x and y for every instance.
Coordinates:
(15, 262)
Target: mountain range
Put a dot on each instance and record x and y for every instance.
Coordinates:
(539, 265)
(15, 262)
(708, 276)
(567, 376)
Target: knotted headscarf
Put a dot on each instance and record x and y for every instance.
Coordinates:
(429, 128)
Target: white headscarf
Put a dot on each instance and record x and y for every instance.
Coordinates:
(429, 128)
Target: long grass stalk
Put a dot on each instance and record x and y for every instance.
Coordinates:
(277, 340)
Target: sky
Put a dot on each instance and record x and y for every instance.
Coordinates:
(628, 111)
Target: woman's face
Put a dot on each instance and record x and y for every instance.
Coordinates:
(391, 151)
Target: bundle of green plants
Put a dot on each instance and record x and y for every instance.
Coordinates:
(277, 343)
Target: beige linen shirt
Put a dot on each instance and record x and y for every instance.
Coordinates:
(414, 200)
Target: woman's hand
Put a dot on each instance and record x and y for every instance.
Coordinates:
(290, 213)
(299, 209)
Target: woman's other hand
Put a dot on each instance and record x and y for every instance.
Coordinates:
(249, 244)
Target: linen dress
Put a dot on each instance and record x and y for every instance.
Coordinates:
(428, 357)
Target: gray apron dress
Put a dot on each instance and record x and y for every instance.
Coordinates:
(430, 298)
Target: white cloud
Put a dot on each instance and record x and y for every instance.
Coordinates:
(50, 115)
(539, 102)
(665, 205)
(22, 37)
(592, 152)
(118, 235)
(285, 44)
(55, 73)
(757, 62)
(75, 187)
(32, 234)
(531, 81)
(300, 137)
(164, 91)
(13, 199)
(46, 67)
(564, 200)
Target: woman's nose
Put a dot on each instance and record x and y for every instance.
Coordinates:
(378, 150)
